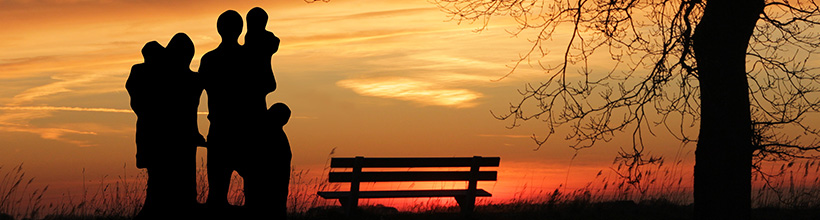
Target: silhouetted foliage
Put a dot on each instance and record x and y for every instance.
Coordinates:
(738, 68)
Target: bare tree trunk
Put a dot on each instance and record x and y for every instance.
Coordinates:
(723, 155)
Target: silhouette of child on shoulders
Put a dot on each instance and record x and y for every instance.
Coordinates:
(260, 45)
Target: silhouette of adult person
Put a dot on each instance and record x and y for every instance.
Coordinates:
(235, 105)
(182, 96)
(165, 96)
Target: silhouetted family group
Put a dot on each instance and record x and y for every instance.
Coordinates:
(244, 134)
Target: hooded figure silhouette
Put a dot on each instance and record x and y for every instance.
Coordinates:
(184, 88)
(165, 96)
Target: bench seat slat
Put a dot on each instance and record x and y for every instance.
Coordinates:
(412, 176)
(403, 194)
(388, 162)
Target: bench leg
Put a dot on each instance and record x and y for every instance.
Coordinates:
(348, 206)
(343, 202)
(467, 204)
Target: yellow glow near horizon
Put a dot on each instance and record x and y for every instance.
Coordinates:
(425, 93)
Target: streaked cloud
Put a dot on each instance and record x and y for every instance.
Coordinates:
(21, 118)
(505, 135)
(46, 90)
(421, 92)
(17, 120)
(52, 134)
(74, 109)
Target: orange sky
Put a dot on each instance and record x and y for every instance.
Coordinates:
(370, 78)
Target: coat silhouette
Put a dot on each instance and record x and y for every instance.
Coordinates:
(182, 98)
(165, 96)
(142, 95)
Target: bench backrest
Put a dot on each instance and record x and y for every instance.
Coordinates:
(357, 163)
(356, 176)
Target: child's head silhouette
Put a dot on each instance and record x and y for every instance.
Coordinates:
(152, 52)
(229, 25)
(257, 19)
(279, 114)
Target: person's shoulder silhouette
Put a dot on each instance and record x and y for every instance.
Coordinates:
(222, 68)
(229, 26)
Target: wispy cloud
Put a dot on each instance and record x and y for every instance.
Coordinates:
(23, 63)
(46, 90)
(18, 118)
(422, 92)
(74, 109)
(505, 135)
(52, 134)
(21, 118)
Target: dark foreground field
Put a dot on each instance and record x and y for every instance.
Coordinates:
(577, 211)
(603, 210)
(122, 199)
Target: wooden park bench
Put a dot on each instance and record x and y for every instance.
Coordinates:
(464, 197)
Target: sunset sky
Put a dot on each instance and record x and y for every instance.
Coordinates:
(366, 78)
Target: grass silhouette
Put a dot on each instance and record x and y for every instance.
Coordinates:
(785, 191)
(16, 194)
